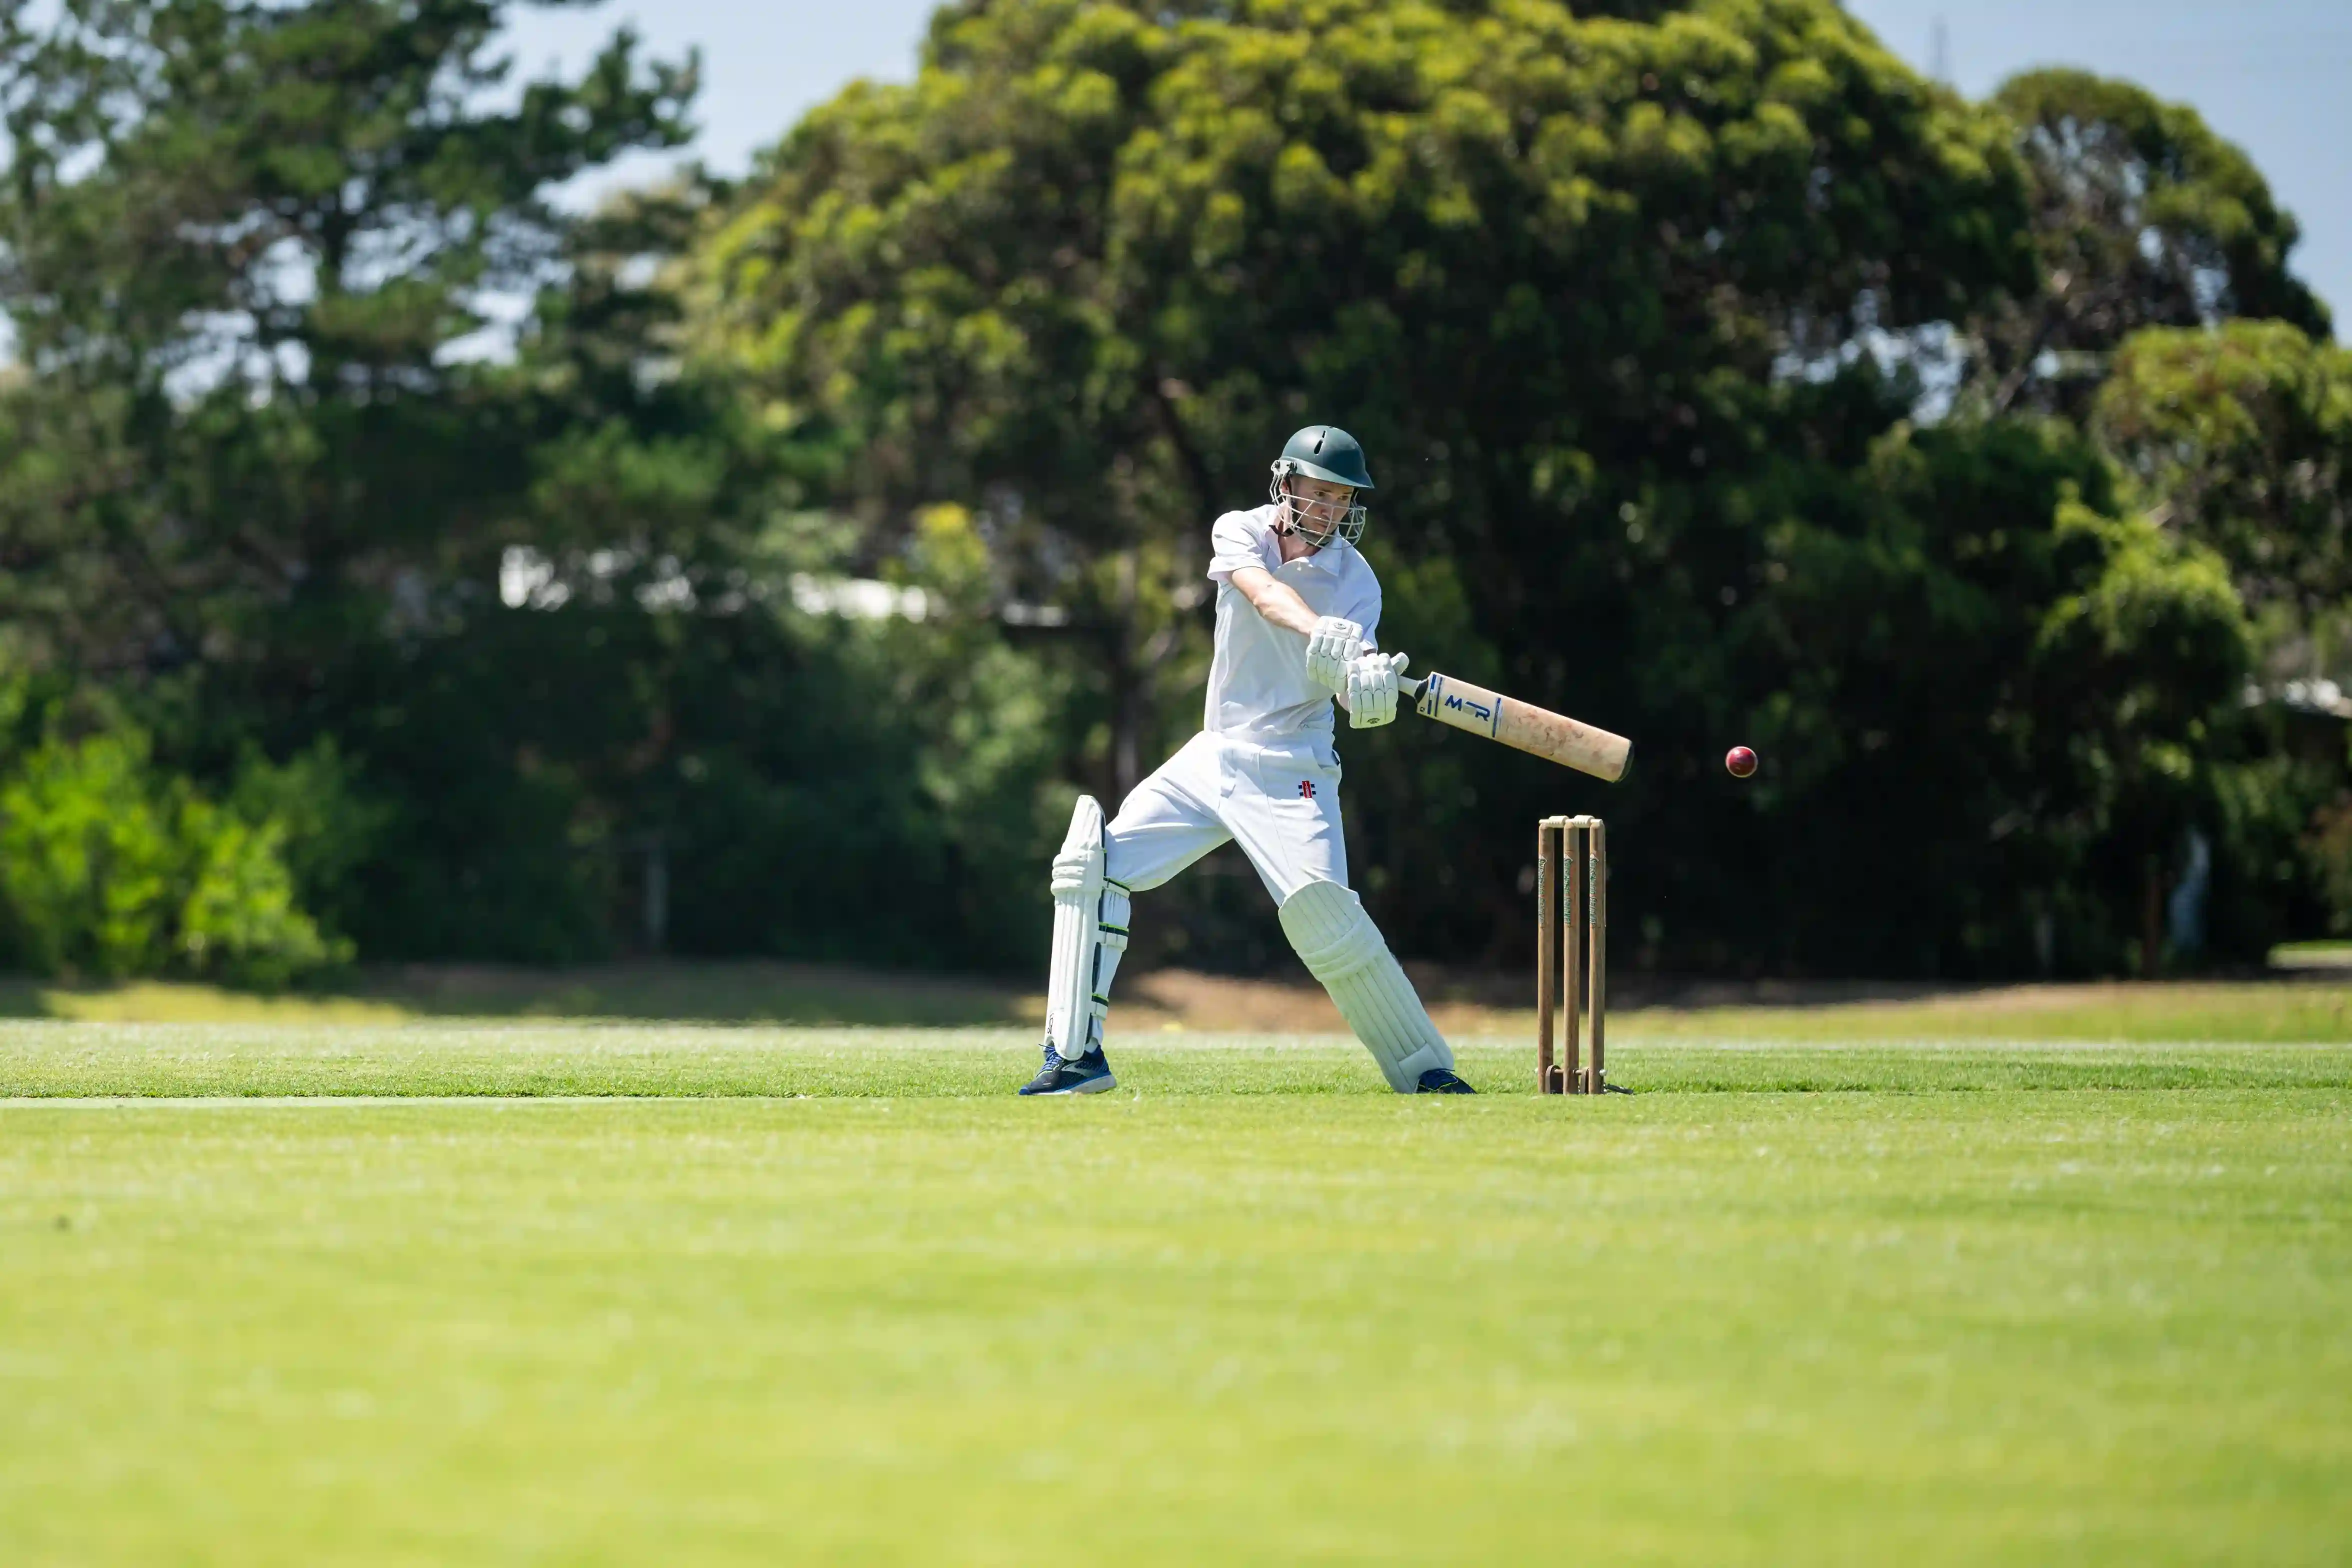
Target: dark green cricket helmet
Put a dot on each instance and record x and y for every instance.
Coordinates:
(1328, 453)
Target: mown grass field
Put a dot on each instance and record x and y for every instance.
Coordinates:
(1816, 1295)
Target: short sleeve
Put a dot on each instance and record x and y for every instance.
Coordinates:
(1238, 540)
(1363, 603)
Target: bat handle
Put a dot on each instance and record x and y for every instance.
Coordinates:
(1410, 688)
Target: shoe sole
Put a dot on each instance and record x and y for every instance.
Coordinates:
(1092, 1085)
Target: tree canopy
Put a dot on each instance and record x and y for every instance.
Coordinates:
(2142, 217)
(1606, 295)
(2242, 438)
(457, 575)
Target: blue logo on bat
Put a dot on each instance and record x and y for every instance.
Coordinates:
(1453, 701)
(1435, 694)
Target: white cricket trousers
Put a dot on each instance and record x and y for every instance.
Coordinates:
(1279, 803)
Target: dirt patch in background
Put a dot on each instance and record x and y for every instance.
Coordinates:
(1468, 1004)
(756, 991)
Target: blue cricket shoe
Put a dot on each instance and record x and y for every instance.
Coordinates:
(1441, 1080)
(1090, 1074)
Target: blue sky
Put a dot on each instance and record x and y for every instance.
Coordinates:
(2274, 76)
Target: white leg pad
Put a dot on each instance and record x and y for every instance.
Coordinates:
(1340, 946)
(1078, 900)
(1090, 916)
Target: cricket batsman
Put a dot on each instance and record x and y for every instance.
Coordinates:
(1298, 610)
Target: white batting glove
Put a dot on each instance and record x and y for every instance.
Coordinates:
(1373, 682)
(1331, 648)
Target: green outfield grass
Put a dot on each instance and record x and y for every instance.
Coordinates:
(2059, 1303)
(489, 1058)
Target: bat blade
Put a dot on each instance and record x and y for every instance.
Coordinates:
(1539, 732)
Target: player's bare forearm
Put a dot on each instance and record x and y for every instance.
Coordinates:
(1277, 601)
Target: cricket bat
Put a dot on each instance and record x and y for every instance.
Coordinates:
(1539, 732)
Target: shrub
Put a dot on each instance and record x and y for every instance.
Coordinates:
(111, 867)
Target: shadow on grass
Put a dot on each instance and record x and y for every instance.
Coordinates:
(715, 993)
(746, 992)
(2314, 1005)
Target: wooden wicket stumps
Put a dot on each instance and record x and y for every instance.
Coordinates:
(1571, 951)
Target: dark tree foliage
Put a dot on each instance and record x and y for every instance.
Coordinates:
(265, 472)
(251, 253)
(1599, 291)
(244, 245)
(2242, 438)
(330, 585)
(1097, 257)
(2142, 217)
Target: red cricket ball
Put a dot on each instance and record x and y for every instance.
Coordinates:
(1740, 762)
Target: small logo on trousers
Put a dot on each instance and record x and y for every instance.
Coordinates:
(1307, 789)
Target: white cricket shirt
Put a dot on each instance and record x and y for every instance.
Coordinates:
(1258, 689)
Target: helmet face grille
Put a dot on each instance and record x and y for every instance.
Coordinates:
(1350, 526)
